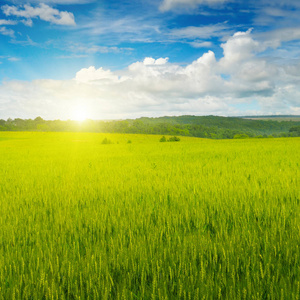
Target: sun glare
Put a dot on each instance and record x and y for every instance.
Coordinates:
(80, 113)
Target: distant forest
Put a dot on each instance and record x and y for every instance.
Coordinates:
(196, 126)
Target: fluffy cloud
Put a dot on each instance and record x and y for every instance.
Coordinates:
(91, 74)
(154, 87)
(238, 48)
(43, 11)
(151, 61)
(170, 4)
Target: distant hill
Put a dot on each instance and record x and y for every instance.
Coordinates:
(250, 125)
(274, 117)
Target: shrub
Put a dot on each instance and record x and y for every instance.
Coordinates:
(163, 139)
(106, 141)
(174, 139)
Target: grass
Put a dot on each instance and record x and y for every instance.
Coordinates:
(198, 219)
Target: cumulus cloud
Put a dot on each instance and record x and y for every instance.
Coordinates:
(171, 4)
(151, 61)
(155, 86)
(92, 74)
(240, 47)
(43, 11)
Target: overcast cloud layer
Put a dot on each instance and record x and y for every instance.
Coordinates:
(60, 57)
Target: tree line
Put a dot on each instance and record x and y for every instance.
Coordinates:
(196, 126)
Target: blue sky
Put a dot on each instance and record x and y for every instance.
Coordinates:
(75, 59)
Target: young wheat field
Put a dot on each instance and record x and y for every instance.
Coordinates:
(195, 219)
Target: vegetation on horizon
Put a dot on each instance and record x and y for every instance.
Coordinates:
(206, 127)
(199, 219)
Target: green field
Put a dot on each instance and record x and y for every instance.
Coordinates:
(195, 219)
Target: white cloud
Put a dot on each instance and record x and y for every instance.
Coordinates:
(27, 22)
(279, 3)
(154, 86)
(199, 44)
(43, 11)
(14, 59)
(274, 8)
(202, 32)
(6, 31)
(91, 74)
(64, 2)
(275, 12)
(148, 61)
(240, 47)
(171, 4)
(129, 28)
(276, 37)
(27, 42)
(92, 49)
(7, 22)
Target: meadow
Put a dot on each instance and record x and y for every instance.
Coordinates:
(195, 219)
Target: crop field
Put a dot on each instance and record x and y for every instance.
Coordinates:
(195, 219)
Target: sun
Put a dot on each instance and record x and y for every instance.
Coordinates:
(80, 113)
